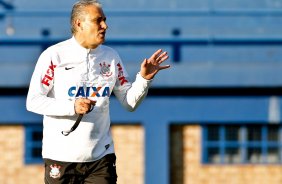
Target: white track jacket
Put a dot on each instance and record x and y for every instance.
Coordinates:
(67, 71)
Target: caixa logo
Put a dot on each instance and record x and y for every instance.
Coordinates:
(89, 91)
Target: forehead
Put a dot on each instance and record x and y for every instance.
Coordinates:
(93, 11)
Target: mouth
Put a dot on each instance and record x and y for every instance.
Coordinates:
(102, 34)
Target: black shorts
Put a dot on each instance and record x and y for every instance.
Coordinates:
(102, 171)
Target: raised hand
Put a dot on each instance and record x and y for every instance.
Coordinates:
(150, 67)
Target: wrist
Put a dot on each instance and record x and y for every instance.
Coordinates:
(146, 77)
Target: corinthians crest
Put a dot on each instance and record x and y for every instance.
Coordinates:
(55, 171)
(105, 69)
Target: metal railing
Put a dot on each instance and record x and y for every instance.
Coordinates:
(175, 43)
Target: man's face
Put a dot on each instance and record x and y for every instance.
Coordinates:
(92, 27)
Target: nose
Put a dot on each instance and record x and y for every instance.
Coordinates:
(104, 25)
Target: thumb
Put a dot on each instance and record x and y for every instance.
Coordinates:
(145, 62)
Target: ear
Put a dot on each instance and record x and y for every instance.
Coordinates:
(78, 24)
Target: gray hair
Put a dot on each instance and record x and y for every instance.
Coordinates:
(79, 11)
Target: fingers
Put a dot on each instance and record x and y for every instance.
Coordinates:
(83, 105)
(156, 54)
(164, 67)
(159, 56)
(162, 57)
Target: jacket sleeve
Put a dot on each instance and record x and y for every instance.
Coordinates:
(39, 99)
(130, 94)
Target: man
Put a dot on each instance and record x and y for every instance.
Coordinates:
(71, 86)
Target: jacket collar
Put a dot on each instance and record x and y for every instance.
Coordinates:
(79, 48)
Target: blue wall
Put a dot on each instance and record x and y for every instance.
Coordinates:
(157, 114)
(223, 44)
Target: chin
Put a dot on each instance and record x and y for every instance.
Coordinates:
(103, 41)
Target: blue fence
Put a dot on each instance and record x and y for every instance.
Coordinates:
(205, 62)
(205, 43)
(175, 43)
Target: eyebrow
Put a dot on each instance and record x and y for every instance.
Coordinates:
(100, 17)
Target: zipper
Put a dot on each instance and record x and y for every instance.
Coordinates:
(88, 64)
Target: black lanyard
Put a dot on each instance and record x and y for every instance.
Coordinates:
(75, 125)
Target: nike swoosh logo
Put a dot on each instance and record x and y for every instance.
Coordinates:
(66, 68)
